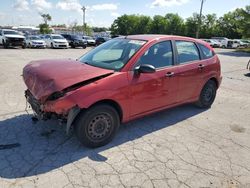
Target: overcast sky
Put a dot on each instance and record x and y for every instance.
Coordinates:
(103, 12)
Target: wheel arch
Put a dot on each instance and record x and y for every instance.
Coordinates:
(76, 111)
(112, 103)
(215, 81)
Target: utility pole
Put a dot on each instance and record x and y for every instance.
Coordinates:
(83, 18)
(199, 22)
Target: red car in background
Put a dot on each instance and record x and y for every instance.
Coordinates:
(120, 80)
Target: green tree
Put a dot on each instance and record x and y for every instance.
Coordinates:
(158, 25)
(228, 26)
(191, 25)
(129, 25)
(174, 24)
(99, 29)
(235, 24)
(243, 21)
(79, 28)
(142, 25)
(208, 27)
(46, 18)
(44, 28)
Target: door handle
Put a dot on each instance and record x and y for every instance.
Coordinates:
(169, 74)
(201, 66)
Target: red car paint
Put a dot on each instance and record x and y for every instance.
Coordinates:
(136, 96)
(48, 76)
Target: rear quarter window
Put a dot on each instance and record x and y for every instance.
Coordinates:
(207, 53)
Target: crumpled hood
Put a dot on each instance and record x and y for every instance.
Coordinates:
(48, 76)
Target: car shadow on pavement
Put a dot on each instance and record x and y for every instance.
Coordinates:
(235, 54)
(247, 74)
(44, 146)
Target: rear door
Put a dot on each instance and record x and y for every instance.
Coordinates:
(190, 70)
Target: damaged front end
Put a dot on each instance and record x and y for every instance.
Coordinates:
(37, 107)
(59, 105)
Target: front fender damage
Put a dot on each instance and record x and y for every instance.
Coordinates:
(71, 117)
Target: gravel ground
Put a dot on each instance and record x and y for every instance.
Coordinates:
(180, 147)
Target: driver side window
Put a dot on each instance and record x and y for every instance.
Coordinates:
(159, 55)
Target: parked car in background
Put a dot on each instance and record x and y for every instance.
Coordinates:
(247, 42)
(90, 40)
(121, 80)
(75, 40)
(222, 40)
(34, 42)
(241, 43)
(100, 40)
(11, 38)
(213, 43)
(56, 41)
(233, 44)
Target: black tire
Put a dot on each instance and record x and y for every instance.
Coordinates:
(84, 47)
(52, 46)
(97, 126)
(207, 95)
(5, 45)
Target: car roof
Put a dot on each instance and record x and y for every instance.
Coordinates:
(151, 37)
(8, 30)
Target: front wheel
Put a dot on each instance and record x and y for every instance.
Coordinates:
(97, 126)
(207, 95)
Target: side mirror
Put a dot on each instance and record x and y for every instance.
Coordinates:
(144, 68)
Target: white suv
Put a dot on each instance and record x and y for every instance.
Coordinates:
(10, 37)
(56, 41)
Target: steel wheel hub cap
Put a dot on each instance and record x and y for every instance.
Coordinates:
(99, 126)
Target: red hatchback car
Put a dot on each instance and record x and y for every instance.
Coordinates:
(120, 80)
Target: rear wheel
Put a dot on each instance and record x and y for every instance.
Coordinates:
(207, 95)
(97, 126)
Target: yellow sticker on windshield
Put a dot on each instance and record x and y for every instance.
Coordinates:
(138, 42)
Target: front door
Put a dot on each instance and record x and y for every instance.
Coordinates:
(152, 91)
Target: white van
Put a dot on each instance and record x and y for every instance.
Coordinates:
(222, 40)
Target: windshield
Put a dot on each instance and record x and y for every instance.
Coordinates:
(57, 37)
(35, 38)
(113, 54)
(11, 33)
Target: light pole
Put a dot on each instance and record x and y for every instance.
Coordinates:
(199, 22)
(83, 18)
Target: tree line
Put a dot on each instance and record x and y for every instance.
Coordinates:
(234, 24)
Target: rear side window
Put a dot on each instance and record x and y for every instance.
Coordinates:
(207, 53)
(187, 52)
